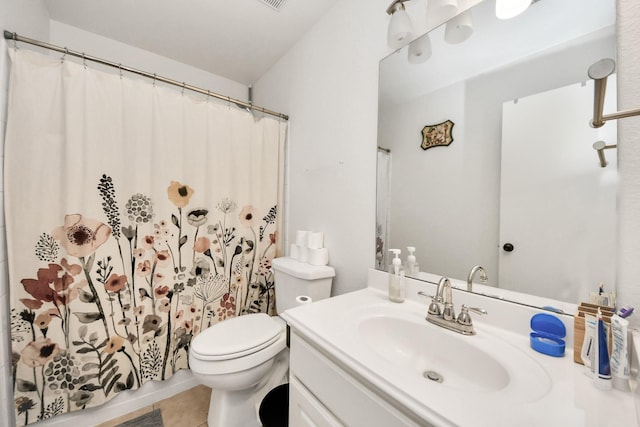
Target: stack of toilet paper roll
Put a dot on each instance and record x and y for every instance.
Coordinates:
(309, 248)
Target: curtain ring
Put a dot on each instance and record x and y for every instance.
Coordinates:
(183, 85)
(120, 70)
(64, 55)
(154, 79)
(84, 60)
(15, 40)
(208, 95)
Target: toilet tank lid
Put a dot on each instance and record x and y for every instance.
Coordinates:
(302, 270)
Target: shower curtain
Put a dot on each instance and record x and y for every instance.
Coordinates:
(136, 217)
(383, 184)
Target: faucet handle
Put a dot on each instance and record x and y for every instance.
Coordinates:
(424, 294)
(434, 308)
(464, 318)
(476, 310)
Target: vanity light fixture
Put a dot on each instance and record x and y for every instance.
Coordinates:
(400, 30)
(507, 9)
(459, 28)
(420, 49)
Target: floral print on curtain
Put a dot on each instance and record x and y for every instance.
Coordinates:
(136, 217)
(95, 322)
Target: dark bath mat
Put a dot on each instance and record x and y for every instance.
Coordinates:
(150, 419)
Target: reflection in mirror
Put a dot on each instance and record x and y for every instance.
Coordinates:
(521, 172)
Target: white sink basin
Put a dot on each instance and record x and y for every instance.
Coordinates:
(434, 354)
(429, 356)
(493, 378)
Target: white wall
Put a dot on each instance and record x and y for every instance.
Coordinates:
(423, 205)
(628, 16)
(102, 47)
(328, 84)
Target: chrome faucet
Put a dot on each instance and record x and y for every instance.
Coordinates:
(446, 317)
(472, 273)
(444, 296)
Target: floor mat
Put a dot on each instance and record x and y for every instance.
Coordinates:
(150, 419)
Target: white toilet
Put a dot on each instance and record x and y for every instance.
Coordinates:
(244, 357)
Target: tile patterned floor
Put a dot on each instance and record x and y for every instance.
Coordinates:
(186, 409)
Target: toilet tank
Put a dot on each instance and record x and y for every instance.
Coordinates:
(294, 278)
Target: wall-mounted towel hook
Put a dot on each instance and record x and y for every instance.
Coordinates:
(600, 146)
(599, 71)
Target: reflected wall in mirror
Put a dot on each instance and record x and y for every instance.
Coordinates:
(521, 170)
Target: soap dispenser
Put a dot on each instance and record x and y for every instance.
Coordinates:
(412, 265)
(396, 278)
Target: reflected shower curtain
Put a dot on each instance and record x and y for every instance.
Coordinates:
(136, 217)
(383, 196)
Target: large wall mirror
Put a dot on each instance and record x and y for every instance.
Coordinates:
(520, 189)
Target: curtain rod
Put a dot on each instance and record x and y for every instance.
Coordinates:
(14, 36)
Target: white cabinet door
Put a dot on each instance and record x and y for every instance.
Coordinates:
(334, 397)
(307, 411)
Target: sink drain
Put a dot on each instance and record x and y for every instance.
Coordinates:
(433, 376)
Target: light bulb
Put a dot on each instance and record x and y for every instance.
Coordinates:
(420, 50)
(400, 28)
(507, 9)
(439, 11)
(459, 28)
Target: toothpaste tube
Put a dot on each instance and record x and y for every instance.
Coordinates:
(602, 377)
(620, 353)
(588, 343)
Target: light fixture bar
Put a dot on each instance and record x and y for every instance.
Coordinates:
(395, 6)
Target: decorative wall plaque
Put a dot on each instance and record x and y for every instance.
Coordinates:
(434, 135)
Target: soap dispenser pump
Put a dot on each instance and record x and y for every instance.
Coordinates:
(412, 265)
(396, 278)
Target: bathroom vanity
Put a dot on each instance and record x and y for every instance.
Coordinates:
(360, 360)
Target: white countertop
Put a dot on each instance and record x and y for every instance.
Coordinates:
(570, 399)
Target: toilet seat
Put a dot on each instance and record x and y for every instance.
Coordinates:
(237, 337)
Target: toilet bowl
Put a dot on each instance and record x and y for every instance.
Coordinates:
(244, 357)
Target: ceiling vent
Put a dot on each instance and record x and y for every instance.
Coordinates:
(274, 4)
